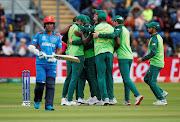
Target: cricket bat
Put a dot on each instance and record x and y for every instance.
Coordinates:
(65, 57)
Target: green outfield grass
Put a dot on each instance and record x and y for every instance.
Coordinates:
(11, 109)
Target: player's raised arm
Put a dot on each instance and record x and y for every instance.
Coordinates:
(65, 30)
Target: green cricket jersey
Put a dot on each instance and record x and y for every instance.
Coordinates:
(117, 33)
(124, 51)
(156, 50)
(74, 50)
(89, 48)
(103, 45)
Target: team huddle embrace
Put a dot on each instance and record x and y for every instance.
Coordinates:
(94, 45)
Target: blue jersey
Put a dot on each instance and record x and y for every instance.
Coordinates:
(47, 44)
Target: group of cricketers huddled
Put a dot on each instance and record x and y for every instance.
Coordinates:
(94, 45)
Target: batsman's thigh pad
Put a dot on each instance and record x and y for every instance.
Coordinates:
(51, 70)
(40, 73)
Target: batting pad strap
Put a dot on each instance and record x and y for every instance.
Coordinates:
(33, 50)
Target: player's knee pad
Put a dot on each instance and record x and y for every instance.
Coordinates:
(38, 91)
(39, 86)
(50, 82)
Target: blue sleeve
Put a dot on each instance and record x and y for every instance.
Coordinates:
(36, 40)
(59, 45)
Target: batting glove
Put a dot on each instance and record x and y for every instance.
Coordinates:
(42, 55)
(53, 59)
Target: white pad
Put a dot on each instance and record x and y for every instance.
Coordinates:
(33, 50)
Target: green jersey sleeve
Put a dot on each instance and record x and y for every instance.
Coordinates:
(77, 42)
(154, 46)
(86, 29)
(116, 33)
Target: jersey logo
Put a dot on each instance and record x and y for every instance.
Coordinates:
(44, 38)
(154, 44)
(48, 44)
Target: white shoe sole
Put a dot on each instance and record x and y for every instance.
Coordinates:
(138, 103)
(63, 104)
(126, 104)
(159, 104)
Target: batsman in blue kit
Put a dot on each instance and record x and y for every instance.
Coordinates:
(45, 43)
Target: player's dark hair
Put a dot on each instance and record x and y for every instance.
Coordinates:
(47, 23)
(100, 20)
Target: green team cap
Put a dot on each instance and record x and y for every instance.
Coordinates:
(88, 19)
(153, 25)
(98, 11)
(118, 18)
(101, 16)
(82, 18)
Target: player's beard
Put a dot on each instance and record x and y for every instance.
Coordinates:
(150, 31)
(49, 29)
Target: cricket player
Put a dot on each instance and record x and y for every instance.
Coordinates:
(45, 43)
(104, 49)
(64, 32)
(125, 58)
(156, 57)
(75, 68)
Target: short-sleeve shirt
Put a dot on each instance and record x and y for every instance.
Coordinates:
(47, 44)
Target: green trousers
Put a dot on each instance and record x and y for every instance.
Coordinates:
(81, 84)
(151, 79)
(89, 73)
(68, 78)
(73, 75)
(104, 67)
(124, 67)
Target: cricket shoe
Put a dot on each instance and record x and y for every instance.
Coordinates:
(82, 101)
(127, 102)
(160, 102)
(138, 100)
(164, 94)
(92, 100)
(36, 105)
(112, 101)
(99, 103)
(49, 108)
(105, 102)
(71, 103)
(63, 101)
